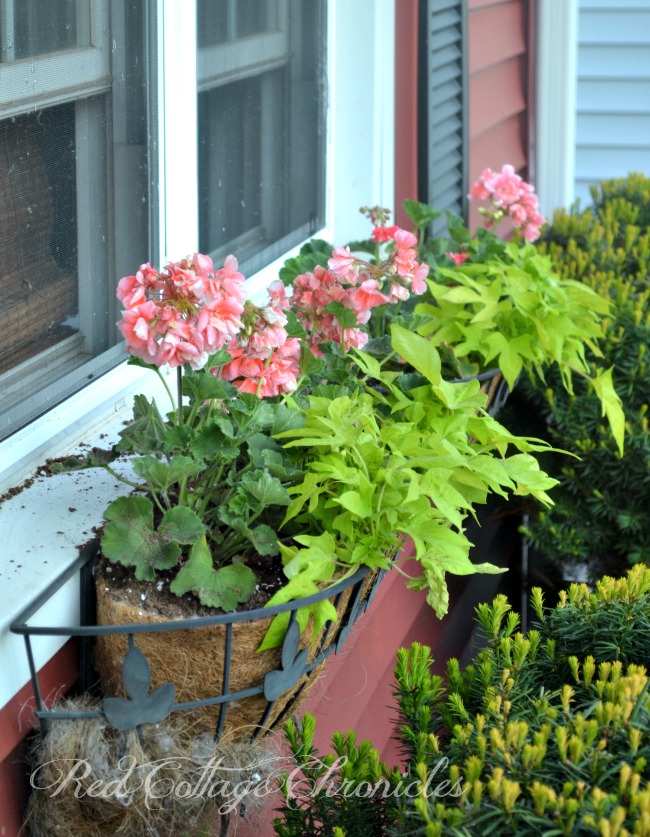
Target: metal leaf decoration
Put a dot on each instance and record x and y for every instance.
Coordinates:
(139, 707)
(292, 666)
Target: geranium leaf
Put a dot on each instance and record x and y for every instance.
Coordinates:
(202, 386)
(182, 525)
(223, 588)
(345, 316)
(129, 538)
(147, 430)
(268, 490)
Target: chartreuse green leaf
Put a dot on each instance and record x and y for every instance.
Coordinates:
(223, 588)
(307, 491)
(433, 581)
(461, 394)
(524, 470)
(322, 613)
(354, 502)
(417, 351)
(316, 562)
(612, 406)
(307, 569)
(368, 364)
(129, 537)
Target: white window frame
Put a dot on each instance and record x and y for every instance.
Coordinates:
(556, 101)
(87, 68)
(360, 171)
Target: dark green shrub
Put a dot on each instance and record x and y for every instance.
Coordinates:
(601, 505)
(544, 734)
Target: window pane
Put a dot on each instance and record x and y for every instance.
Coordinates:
(219, 21)
(74, 217)
(261, 137)
(38, 232)
(253, 17)
(32, 27)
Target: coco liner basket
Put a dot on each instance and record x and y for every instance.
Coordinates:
(212, 661)
(206, 666)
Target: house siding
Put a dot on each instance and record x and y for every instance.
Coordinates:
(613, 91)
(499, 54)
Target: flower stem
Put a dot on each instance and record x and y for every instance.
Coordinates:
(165, 384)
(179, 392)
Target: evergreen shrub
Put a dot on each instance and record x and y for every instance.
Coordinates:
(544, 733)
(601, 504)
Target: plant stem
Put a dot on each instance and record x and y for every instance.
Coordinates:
(119, 477)
(179, 392)
(165, 384)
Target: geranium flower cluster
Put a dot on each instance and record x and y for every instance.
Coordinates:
(182, 314)
(511, 197)
(359, 286)
(265, 360)
(188, 311)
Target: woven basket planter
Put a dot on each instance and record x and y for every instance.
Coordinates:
(218, 677)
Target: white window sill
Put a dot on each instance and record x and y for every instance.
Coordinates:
(43, 526)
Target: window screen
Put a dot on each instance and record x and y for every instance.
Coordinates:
(74, 191)
(261, 126)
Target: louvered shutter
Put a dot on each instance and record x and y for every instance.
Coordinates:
(446, 107)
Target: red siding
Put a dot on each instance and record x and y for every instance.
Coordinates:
(55, 678)
(499, 86)
(406, 107)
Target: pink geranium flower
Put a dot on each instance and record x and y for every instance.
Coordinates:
(509, 196)
(404, 239)
(382, 234)
(368, 295)
(183, 313)
(398, 293)
(342, 264)
(457, 258)
(420, 273)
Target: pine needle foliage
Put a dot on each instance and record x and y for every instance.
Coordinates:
(601, 505)
(326, 795)
(546, 733)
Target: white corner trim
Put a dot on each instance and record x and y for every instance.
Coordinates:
(384, 94)
(556, 94)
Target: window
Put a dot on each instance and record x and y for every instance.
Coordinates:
(77, 185)
(136, 130)
(261, 126)
(74, 191)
